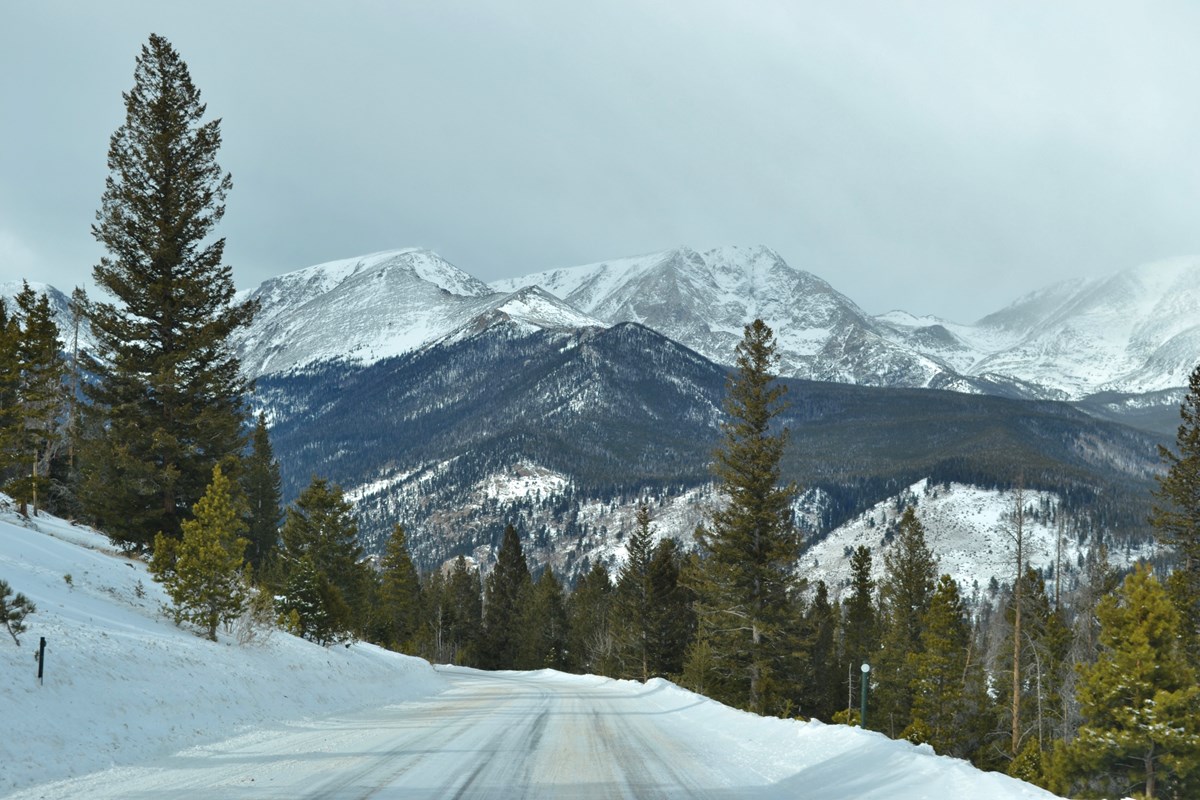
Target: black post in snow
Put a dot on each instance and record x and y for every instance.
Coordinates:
(41, 659)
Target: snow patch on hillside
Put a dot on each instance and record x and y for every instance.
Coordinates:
(969, 530)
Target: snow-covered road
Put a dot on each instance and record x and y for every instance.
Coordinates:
(491, 735)
(544, 735)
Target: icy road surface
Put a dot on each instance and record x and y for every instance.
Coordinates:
(547, 735)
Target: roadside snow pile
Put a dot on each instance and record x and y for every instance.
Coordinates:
(832, 762)
(123, 684)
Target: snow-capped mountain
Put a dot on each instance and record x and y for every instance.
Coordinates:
(1133, 332)
(385, 304)
(705, 300)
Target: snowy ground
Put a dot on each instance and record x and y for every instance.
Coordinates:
(134, 707)
(124, 685)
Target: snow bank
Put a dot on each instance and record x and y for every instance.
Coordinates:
(123, 684)
(832, 762)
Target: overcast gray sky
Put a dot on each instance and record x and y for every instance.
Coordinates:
(940, 157)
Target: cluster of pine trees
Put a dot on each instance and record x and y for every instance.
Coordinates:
(149, 436)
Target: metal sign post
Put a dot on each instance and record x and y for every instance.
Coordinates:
(866, 672)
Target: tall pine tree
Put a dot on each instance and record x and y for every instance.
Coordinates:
(400, 594)
(591, 641)
(672, 619)
(633, 602)
(40, 394)
(749, 549)
(506, 594)
(939, 673)
(168, 393)
(860, 625)
(262, 484)
(906, 591)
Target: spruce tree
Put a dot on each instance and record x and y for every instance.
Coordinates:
(400, 594)
(261, 483)
(939, 672)
(542, 632)
(632, 601)
(12, 433)
(1176, 514)
(202, 572)
(40, 395)
(504, 599)
(168, 394)
(465, 597)
(591, 640)
(823, 691)
(860, 631)
(1140, 701)
(672, 619)
(906, 591)
(321, 526)
(13, 610)
(749, 549)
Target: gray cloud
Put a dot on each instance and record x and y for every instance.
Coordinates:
(941, 157)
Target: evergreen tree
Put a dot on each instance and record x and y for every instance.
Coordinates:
(860, 632)
(40, 396)
(168, 393)
(321, 526)
(1140, 701)
(543, 629)
(13, 610)
(749, 550)
(202, 572)
(633, 603)
(11, 424)
(906, 591)
(400, 594)
(504, 598)
(311, 605)
(591, 641)
(262, 484)
(939, 670)
(672, 620)
(465, 596)
(1176, 514)
(823, 694)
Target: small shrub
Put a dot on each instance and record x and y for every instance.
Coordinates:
(13, 611)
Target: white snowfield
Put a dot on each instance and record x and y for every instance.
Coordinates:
(133, 707)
